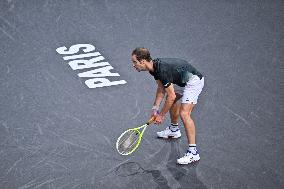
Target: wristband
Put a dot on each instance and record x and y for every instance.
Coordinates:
(155, 108)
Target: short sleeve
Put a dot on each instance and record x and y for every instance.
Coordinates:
(154, 75)
(166, 83)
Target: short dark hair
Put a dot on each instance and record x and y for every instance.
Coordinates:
(142, 53)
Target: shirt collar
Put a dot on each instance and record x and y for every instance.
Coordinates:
(155, 66)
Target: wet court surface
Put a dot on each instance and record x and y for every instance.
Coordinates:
(59, 124)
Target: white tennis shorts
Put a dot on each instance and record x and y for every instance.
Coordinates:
(191, 91)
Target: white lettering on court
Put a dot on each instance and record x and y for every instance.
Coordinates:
(97, 76)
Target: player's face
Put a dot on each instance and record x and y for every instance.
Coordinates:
(139, 66)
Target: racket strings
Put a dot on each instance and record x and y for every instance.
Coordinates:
(128, 141)
(126, 136)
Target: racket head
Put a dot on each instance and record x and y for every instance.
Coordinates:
(128, 141)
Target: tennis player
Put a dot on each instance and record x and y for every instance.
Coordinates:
(178, 81)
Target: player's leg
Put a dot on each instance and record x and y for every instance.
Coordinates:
(174, 111)
(172, 131)
(191, 154)
(189, 99)
(185, 114)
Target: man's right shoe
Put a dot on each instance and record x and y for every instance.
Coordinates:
(189, 157)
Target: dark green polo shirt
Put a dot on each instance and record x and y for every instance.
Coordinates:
(173, 70)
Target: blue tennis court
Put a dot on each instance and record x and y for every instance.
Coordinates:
(60, 119)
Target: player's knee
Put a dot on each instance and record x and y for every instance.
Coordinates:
(184, 114)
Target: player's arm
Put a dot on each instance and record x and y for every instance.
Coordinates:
(171, 96)
(160, 93)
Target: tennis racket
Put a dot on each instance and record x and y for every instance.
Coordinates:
(130, 139)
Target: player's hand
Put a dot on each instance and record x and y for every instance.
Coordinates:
(159, 119)
(155, 111)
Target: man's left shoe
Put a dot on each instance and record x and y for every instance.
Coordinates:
(168, 133)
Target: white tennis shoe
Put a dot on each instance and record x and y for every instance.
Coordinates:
(189, 157)
(168, 133)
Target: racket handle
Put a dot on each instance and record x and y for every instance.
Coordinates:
(151, 120)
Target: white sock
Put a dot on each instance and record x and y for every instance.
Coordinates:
(174, 126)
(192, 148)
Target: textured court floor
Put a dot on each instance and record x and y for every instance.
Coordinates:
(56, 132)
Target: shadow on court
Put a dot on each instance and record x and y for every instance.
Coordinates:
(185, 175)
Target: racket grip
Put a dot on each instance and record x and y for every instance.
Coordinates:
(151, 120)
